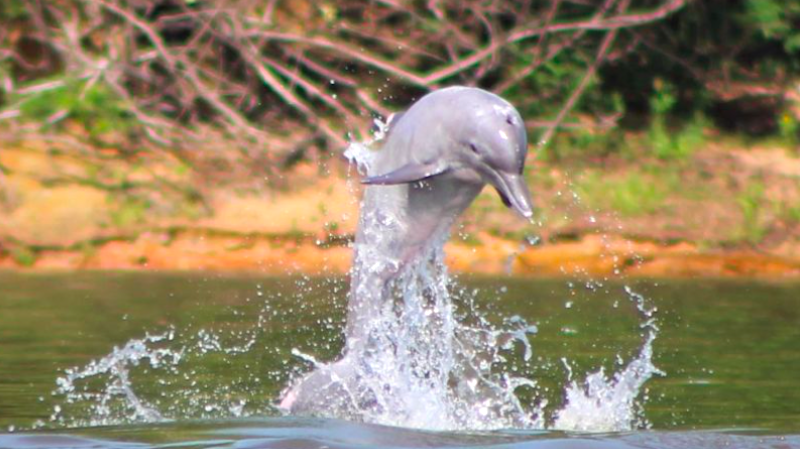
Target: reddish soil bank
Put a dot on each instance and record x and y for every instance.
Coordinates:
(724, 212)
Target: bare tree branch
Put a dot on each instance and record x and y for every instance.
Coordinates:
(576, 94)
(278, 80)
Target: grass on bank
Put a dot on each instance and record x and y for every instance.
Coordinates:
(631, 194)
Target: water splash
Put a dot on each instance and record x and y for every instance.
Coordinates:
(603, 403)
(155, 379)
(360, 154)
(431, 366)
(448, 370)
(429, 359)
(412, 361)
(116, 367)
(424, 368)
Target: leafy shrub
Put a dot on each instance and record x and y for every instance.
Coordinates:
(670, 144)
(23, 256)
(776, 19)
(13, 9)
(98, 110)
(789, 129)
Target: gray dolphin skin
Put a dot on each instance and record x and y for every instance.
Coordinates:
(436, 158)
(472, 136)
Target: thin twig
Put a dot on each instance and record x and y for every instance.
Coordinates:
(576, 94)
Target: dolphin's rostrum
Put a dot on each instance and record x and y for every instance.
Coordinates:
(436, 158)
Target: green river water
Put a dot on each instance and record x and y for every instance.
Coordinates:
(730, 351)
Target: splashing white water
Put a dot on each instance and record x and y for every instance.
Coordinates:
(411, 362)
(116, 367)
(605, 403)
(109, 391)
(444, 370)
(360, 154)
(423, 368)
(428, 360)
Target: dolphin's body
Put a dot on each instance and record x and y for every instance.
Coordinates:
(436, 159)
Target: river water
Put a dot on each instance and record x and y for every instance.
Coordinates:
(174, 360)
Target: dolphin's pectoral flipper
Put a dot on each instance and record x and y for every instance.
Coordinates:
(410, 172)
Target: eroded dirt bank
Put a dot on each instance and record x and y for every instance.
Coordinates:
(592, 255)
(727, 213)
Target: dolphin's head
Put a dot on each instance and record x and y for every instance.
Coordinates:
(492, 142)
(468, 133)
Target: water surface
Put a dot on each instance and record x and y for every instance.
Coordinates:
(730, 351)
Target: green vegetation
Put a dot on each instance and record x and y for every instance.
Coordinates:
(751, 202)
(90, 104)
(793, 214)
(23, 256)
(672, 144)
(128, 210)
(13, 9)
(789, 127)
(777, 20)
(631, 194)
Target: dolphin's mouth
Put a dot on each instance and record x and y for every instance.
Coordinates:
(504, 198)
(513, 192)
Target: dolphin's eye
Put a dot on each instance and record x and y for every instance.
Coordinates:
(474, 148)
(510, 120)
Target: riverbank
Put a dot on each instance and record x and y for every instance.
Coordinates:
(726, 212)
(591, 255)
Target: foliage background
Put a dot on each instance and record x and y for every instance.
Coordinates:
(646, 108)
(283, 81)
